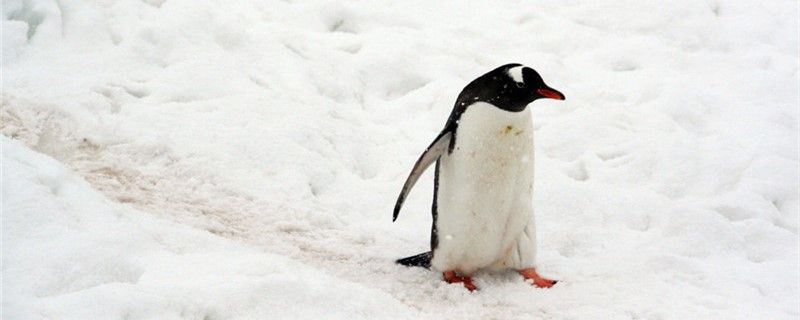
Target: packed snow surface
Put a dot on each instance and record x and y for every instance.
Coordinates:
(198, 159)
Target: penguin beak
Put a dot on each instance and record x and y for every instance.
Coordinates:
(550, 93)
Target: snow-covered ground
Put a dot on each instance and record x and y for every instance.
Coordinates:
(198, 159)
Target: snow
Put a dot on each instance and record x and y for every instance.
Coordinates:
(223, 160)
(65, 245)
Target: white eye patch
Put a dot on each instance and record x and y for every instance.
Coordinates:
(516, 74)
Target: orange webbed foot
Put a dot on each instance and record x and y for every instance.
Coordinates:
(538, 281)
(452, 277)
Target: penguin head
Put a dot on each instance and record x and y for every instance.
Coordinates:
(510, 87)
(529, 85)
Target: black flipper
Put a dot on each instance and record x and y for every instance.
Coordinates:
(437, 148)
(420, 260)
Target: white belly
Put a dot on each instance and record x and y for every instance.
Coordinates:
(485, 189)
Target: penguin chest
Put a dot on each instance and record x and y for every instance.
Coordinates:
(484, 198)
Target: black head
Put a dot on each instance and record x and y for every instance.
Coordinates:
(510, 87)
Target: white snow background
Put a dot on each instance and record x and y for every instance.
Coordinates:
(202, 159)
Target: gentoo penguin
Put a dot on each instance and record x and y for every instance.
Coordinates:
(483, 185)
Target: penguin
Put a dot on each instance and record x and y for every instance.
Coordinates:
(483, 183)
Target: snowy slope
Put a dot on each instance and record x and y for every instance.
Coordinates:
(666, 188)
(69, 253)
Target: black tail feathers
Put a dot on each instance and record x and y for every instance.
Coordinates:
(420, 260)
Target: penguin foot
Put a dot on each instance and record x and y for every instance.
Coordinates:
(538, 281)
(452, 277)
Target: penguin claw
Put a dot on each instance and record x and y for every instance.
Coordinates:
(452, 277)
(537, 280)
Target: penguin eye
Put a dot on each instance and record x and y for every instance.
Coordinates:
(520, 84)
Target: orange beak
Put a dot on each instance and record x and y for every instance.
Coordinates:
(550, 93)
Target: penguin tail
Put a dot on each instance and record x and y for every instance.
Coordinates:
(420, 260)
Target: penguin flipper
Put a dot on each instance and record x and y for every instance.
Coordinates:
(420, 260)
(437, 148)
